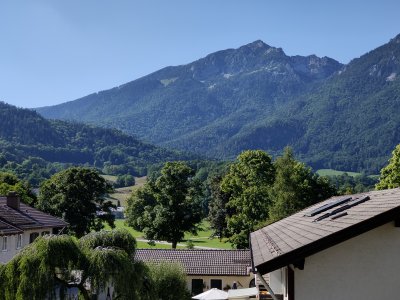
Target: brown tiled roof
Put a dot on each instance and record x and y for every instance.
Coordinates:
(27, 217)
(8, 229)
(292, 239)
(201, 262)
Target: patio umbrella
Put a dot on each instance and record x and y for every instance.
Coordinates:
(213, 294)
(242, 293)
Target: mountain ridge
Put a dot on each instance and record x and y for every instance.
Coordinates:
(27, 141)
(256, 96)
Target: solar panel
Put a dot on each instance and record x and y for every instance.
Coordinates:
(322, 217)
(334, 214)
(359, 201)
(327, 206)
(339, 215)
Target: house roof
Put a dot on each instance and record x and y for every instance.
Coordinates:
(8, 229)
(27, 217)
(321, 226)
(201, 262)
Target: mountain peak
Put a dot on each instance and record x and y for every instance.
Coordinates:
(257, 44)
(396, 39)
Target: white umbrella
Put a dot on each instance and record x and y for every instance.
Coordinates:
(242, 293)
(213, 294)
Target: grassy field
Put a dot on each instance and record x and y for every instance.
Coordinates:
(122, 194)
(331, 172)
(202, 239)
(145, 245)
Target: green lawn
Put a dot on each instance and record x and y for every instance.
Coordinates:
(202, 239)
(331, 172)
(144, 245)
(122, 194)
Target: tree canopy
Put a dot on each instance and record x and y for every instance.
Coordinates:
(168, 281)
(295, 187)
(390, 175)
(247, 184)
(77, 196)
(50, 265)
(10, 182)
(257, 191)
(167, 207)
(217, 207)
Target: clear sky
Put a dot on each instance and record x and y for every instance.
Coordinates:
(54, 51)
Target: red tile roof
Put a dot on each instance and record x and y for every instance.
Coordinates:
(300, 235)
(201, 262)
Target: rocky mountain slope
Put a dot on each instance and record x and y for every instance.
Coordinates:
(333, 115)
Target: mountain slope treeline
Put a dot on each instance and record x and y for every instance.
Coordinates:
(29, 143)
(256, 97)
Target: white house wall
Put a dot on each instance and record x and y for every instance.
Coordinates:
(276, 281)
(12, 250)
(365, 267)
(242, 281)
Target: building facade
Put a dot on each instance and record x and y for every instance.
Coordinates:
(21, 224)
(342, 248)
(206, 269)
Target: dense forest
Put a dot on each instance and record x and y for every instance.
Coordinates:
(34, 148)
(256, 97)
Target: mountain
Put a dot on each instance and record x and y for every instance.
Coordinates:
(333, 115)
(212, 98)
(30, 143)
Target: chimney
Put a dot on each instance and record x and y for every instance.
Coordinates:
(13, 200)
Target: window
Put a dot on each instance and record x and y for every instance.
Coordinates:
(45, 233)
(216, 283)
(33, 236)
(4, 245)
(19, 241)
(197, 286)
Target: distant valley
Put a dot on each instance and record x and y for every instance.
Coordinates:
(34, 148)
(256, 97)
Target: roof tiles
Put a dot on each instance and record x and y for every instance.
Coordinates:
(298, 235)
(25, 218)
(201, 262)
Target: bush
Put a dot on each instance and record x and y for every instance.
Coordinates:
(169, 281)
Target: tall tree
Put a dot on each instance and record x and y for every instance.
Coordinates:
(10, 182)
(390, 175)
(217, 207)
(168, 207)
(295, 187)
(77, 196)
(61, 261)
(247, 184)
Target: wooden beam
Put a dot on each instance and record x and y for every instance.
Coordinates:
(299, 264)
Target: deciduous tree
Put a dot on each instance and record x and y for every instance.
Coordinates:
(390, 175)
(49, 266)
(168, 281)
(168, 207)
(10, 182)
(247, 183)
(77, 195)
(217, 207)
(295, 187)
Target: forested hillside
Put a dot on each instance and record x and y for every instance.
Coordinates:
(256, 97)
(34, 147)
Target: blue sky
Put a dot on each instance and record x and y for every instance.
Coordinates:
(54, 51)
